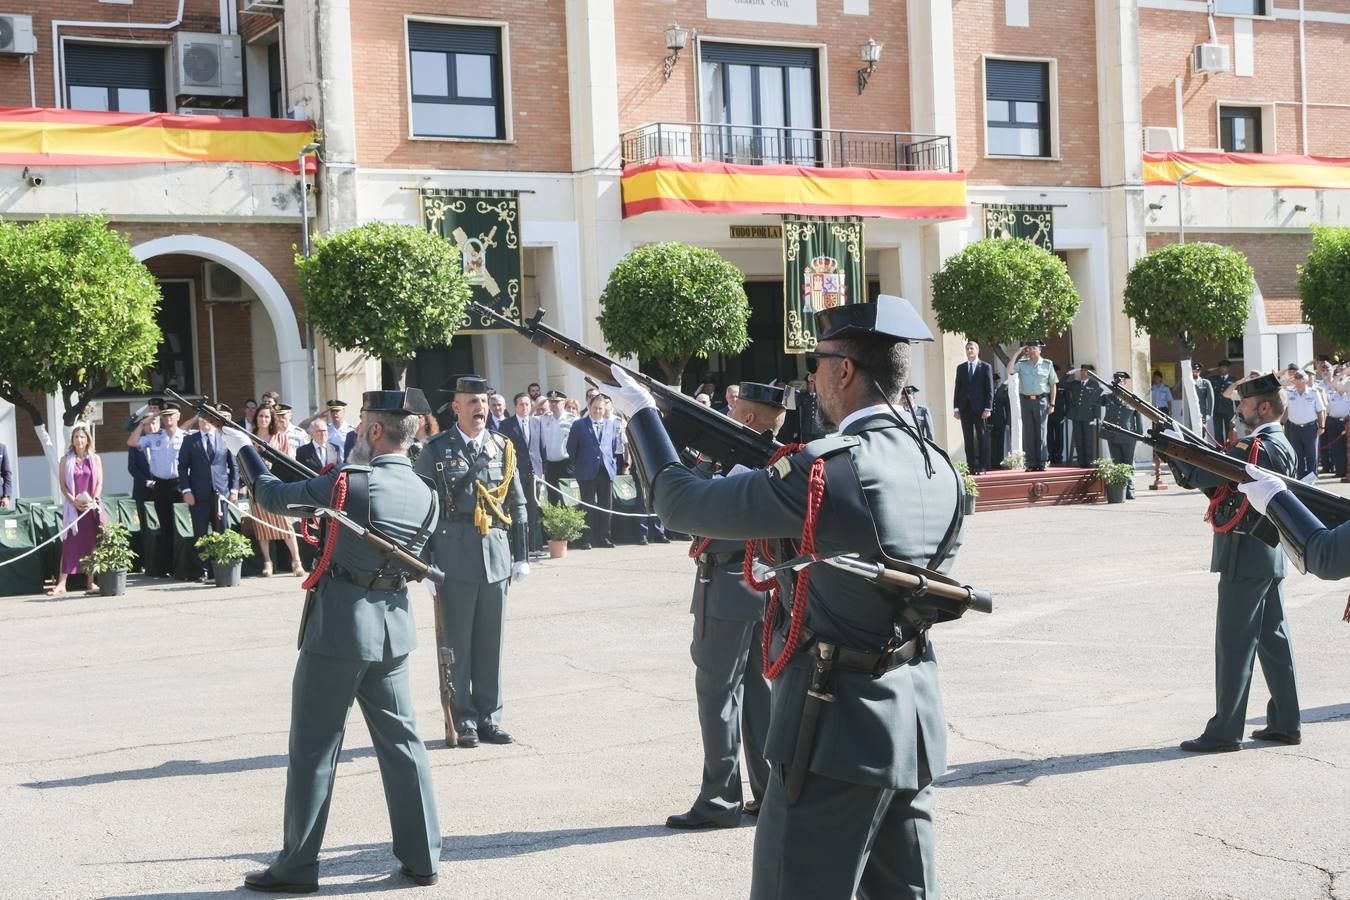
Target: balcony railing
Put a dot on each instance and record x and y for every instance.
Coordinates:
(761, 145)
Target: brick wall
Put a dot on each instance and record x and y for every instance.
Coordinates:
(538, 105)
(981, 28)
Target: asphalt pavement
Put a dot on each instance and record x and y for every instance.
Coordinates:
(143, 748)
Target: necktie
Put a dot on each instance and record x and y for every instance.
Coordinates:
(597, 432)
(972, 370)
(473, 451)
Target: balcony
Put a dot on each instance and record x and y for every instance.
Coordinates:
(759, 145)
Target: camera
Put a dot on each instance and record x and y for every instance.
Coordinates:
(33, 179)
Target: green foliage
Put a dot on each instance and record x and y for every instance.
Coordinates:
(111, 553)
(1324, 285)
(223, 546)
(562, 523)
(384, 290)
(967, 479)
(77, 312)
(1015, 460)
(1190, 292)
(1113, 473)
(1004, 290)
(668, 302)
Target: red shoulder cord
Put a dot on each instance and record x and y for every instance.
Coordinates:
(309, 527)
(1222, 492)
(339, 501)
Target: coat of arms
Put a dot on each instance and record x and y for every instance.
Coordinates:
(823, 285)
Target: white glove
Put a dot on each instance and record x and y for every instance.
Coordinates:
(234, 439)
(631, 397)
(519, 570)
(738, 469)
(1260, 491)
(1174, 433)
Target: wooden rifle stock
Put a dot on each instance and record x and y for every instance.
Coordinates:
(1151, 412)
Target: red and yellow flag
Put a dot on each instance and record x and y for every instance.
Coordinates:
(1248, 170)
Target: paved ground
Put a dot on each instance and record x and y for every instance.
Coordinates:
(144, 737)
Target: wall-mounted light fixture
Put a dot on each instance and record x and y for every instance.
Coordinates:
(869, 53)
(1154, 207)
(676, 39)
(1299, 207)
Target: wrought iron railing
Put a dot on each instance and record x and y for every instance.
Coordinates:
(759, 145)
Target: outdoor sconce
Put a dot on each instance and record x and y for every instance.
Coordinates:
(676, 38)
(1299, 207)
(869, 53)
(1154, 207)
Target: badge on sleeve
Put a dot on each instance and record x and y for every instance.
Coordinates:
(781, 469)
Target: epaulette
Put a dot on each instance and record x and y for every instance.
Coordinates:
(440, 435)
(821, 448)
(499, 438)
(356, 467)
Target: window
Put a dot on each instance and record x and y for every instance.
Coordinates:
(1240, 129)
(1241, 7)
(1017, 108)
(276, 99)
(456, 76)
(768, 95)
(115, 77)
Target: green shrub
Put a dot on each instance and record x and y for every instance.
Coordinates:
(1190, 292)
(1324, 285)
(223, 546)
(111, 553)
(562, 523)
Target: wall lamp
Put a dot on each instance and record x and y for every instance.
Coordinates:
(676, 39)
(1299, 207)
(1154, 207)
(869, 53)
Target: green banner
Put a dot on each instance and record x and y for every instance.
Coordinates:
(823, 267)
(1031, 222)
(485, 225)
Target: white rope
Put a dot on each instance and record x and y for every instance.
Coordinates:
(581, 502)
(245, 514)
(54, 537)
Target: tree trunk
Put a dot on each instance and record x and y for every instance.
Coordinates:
(672, 371)
(1190, 400)
(400, 369)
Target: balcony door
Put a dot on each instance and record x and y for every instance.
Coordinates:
(760, 104)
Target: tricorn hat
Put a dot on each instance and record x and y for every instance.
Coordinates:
(411, 402)
(1261, 384)
(773, 395)
(467, 384)
(889, 317)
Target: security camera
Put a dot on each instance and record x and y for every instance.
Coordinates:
(36, 181)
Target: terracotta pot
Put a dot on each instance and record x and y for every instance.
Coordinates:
(557, 549)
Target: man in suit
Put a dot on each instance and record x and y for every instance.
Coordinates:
(524, 433)
(320, 452)
(595, 446)
(733, 697)
(355, 637)
(1250, 620)
(207, 474)
(6, 480)
(496, 412)
(973, 404)
(480, 543)
(849, 805)
(733, 392)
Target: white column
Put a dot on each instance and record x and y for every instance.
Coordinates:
(932, 69)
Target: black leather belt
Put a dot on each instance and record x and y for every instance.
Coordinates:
(375, 582)
(877, 663)
(722, 559)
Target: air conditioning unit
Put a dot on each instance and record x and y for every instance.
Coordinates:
(223, 285)
(16, 35)
(208, 111)
(1160, 140)
(1210, 58)
(208, 65)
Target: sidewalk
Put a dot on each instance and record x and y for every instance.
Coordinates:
(146, 735)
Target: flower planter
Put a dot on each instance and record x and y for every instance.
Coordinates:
(112, 584)
(228, 573)
(968, 504)
(1115, 493)
(557, 549)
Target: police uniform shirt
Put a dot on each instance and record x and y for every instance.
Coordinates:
(1160, 395)
(337, 434)
(1338, 403)
(162, 451)
(296, 437)
(1034, 378)
(1303, 408)
(555, 436)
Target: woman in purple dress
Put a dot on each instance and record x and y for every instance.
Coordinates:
(81, 476)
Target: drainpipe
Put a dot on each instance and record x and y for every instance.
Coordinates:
(304, 251)
(1302, 80)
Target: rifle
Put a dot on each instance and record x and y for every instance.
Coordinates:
(1331, 508)
(947, 595)
(292, 470)
(1151, 412)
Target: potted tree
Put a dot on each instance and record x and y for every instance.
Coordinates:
(972, 490)
(226, 551)
(1116, 476)
(110, 559)
(561, 524)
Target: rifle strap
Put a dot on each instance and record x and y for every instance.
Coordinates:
(1225, 490)
(338, 502)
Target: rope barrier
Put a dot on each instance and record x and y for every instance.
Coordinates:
(580, 502)
(54, 537)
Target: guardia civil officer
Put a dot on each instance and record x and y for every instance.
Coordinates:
(733, 697)
(1118, 412)
(1250, 618)
(355, 637)
(480, 544)
(849, 804)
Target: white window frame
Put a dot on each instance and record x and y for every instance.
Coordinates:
(1052, 72)
(166, 46)
(263, 40)
(1268, 130)
(1268, 15)
(507, 115)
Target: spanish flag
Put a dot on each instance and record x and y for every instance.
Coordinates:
(1248, 170)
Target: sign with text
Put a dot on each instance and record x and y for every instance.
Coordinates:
(778, 12)
(485, 227)
(765, 232)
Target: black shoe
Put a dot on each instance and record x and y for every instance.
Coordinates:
(1292, 738)
(751, 808)
(468, 737)
(692, 820)
(642, 542)
(422, 880)
(660, 539)
(581, 545)
(268, 883)
(607, 544)
(205, 578)
(1206, 744)
(491, 734)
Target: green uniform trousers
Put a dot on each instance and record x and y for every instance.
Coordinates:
(1250, 624)
(321, 697)
(474, 614)
(840, 839)
(733, 709)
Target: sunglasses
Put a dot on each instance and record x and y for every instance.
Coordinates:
(813, 358)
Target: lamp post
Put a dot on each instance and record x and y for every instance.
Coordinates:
(1181, 207)
(304, 251)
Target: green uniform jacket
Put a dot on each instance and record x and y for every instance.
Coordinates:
(1117, 412)
(873, 732)
(347, 621)
(484, 559)
(1085, 398)
(1238, 553)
